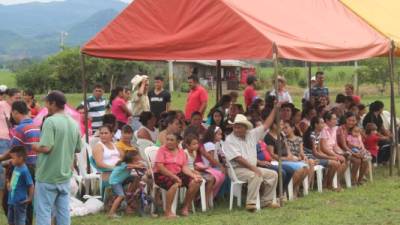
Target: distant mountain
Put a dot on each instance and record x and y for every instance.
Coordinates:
(33, 29)
(35, 18)
(83, 31)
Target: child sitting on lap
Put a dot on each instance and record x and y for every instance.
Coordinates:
(354, 140)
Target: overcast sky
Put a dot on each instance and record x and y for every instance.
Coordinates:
(10, 2)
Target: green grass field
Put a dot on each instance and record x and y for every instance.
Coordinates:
(7, 78)
(374, 203)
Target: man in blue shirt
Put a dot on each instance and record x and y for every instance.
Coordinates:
(318, 90)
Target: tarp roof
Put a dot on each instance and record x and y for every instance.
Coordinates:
(311, 30)
(382, 15)
(232, 63)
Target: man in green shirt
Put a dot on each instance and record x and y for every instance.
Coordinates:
(60, 140)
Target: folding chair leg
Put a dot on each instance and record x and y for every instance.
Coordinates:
(319, 180)
(347, 177)
(305, 186)
(203, 196)
(258, 203)
(231, 196)
(239, 194)
(335, 181)
(290, 190)
(153, 196)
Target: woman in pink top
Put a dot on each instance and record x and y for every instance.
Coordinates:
(359, 164)
(118, 99)
(330, 146)
(172, 172)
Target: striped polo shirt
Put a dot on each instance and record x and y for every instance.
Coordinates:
(96, 111)
(26, 134)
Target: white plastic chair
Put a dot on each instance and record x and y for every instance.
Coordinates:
(236, 189)
(320, 175)
(347, 178)
(142, 144)
(86, 177)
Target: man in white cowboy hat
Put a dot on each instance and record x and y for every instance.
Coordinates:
(240, 150)
(140, 100)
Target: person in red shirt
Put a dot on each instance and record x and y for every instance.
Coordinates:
(371, 141)
(197, 98)
(349, 91)
(250, 92)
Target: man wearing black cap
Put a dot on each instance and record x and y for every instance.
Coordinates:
(59, 141)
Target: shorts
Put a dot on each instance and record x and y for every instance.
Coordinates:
(118, 190)
(166, 182)
(4, 146)
(294, 165)
(355, 150)
(17, 214)
(323, 162)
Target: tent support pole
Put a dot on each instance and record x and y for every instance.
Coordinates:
(85, 104)
(309, 80)
(171, 75)
(277, 121)
(219, 81)
(393, 123)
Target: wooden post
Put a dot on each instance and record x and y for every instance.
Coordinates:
(219, 81)
(277, 121)
(171, 75)
(393, 122)
(85, 104)
(355, 81)
(309, 81)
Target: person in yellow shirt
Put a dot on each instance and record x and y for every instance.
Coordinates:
(124, 144)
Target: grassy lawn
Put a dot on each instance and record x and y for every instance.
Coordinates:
(374, 203)
(7, 78)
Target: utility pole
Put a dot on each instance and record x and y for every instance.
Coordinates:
(63, 35)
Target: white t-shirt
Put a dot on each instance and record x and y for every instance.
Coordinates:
(190, 159)
(209, 146)
(283, 96)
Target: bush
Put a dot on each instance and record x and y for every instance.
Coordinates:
(63, 72)
(302, 83)
(184, 87)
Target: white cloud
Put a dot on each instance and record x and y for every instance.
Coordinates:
(14, 2)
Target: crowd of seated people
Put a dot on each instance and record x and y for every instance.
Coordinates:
(338, 136)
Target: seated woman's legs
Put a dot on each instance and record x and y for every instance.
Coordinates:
(170, 199)
(332, 168)
(355, 166)
(298, 178)
(311, 164)
(193, 189)
(210, 182)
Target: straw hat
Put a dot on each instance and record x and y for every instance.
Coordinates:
(137, 79)
(242, 119)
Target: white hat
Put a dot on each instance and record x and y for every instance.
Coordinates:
(3, 88)
(242, 119)
(137, 79)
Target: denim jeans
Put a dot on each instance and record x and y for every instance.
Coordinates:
(4, 146)
(17, 214)
(50, 197)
